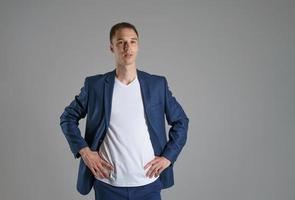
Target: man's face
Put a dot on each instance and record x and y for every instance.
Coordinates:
(125, 46)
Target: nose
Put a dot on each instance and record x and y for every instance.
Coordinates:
(126, 45)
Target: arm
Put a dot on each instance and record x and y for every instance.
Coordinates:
(69, 121)
(178, 120)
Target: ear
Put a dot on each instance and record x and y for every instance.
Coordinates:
(111, 48)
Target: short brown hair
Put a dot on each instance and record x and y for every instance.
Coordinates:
(120, 26)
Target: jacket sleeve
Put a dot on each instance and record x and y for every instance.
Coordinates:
(178, 120)
(69, 120)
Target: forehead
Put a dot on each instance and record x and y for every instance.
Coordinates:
(125, 33)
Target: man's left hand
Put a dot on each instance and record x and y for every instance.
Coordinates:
(157, 165)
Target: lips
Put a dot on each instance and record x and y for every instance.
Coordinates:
(128, 55)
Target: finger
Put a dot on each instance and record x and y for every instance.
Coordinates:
(102, 170)
(107, 165)
(104, 173)
(94, 165)
(149, 164)
(151, 169)
(146, 166)
(153, 173)
(99, 174)
(97, 171)
(93, 171)
(159, 171)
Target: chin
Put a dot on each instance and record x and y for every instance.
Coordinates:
(128, 62)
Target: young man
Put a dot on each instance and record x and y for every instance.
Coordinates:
(125, 152)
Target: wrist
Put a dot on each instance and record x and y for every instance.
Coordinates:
(84, 151)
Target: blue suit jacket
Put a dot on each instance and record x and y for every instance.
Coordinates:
(95, 100)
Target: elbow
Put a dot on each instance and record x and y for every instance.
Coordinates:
(62, 118)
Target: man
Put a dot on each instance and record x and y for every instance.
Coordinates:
(125, 152)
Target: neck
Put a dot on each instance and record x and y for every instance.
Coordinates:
(126, 73)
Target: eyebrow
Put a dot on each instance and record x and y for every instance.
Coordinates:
(122, 39)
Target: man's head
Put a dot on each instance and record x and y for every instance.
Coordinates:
(124, 43)
(121, 25)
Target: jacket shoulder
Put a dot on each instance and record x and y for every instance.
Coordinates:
(153, 77)
(96, 78)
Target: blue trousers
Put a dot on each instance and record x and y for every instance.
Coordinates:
(104, 191)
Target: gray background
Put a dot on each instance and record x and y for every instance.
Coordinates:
(229, 63)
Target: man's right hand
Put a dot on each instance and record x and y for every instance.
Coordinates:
(98, 166)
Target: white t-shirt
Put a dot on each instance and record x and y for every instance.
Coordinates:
(127, 145)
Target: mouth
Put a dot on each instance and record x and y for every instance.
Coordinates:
(127, 55)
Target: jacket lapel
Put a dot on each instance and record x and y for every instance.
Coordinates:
(145, 92)
(108, 94)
